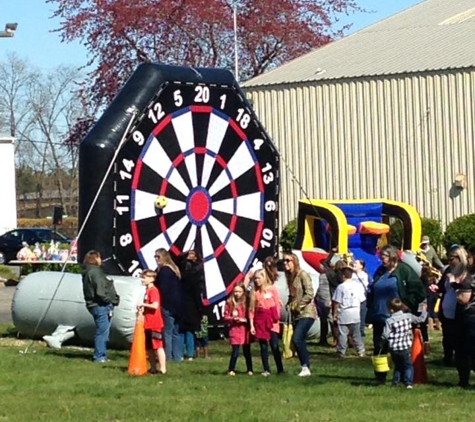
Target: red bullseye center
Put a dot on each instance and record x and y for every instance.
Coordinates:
(199, 206)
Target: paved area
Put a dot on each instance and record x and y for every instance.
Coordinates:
(6, 296)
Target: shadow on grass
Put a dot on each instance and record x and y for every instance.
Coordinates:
(82, 355)
(355, 381)
(435, 383)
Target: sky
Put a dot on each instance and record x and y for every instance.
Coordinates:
(35, 42)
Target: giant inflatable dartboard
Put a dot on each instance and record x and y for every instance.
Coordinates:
(199, 145)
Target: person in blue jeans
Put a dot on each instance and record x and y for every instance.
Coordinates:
(101, 298)
(302, 308)
(169, 284)
(398, 334)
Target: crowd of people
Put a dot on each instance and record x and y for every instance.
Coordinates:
(392, 303)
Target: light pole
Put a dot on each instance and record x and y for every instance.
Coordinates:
(10, 29)
(236, 48)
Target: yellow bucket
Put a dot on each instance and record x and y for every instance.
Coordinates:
(381, 363)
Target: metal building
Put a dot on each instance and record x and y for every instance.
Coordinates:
(388, 112)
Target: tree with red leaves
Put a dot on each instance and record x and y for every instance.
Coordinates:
(120, 34)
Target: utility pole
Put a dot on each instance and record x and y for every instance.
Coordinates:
(236, 48)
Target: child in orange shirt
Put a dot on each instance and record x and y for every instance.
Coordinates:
(153, 323)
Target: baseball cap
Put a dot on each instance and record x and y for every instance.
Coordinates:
(425, 239)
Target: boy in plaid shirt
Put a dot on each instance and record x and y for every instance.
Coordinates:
(398, 333)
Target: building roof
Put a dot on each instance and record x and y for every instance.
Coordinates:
(433, 35)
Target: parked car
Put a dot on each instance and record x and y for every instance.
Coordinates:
(11, 242)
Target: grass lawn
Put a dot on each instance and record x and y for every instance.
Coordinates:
(64, 385)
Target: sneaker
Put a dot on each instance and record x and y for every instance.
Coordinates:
(409, 387)
(232, 373)
(362, 354)
(265, 374)
(250, 373)
(305, 372)
(339, 355)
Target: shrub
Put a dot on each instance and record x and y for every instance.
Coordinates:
(461, 231)
(430, 227)
(7, 273)
(68, 228)
(433, 228)
(396, 234)
(288, 236)
(70, 268)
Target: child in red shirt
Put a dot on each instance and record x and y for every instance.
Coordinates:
(152, 311)
(264, 318)
(235, 314)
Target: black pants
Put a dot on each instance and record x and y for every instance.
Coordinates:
(424, 331)
(379, 348)
(324, 313)
(449, 329)
(274, 345)
(246, 350)
(465, 347)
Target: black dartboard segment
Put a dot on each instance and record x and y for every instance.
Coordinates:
(200, 147)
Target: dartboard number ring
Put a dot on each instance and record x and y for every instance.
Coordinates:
(197, 171)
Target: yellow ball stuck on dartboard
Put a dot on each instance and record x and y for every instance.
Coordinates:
(161, 202)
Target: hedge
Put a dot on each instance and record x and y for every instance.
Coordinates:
(288, 236)
(430, 227)
(27, 268)
(69, 227)
(7, 273)
(461, 231)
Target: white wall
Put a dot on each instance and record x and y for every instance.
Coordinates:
(8, 216)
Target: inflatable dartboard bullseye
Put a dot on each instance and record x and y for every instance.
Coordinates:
(196, 171)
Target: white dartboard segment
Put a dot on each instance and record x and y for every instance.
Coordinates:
(248, 206)
(216, 131)
(214, 280)
(239, 164)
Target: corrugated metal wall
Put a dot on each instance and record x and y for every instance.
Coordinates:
(401, 137)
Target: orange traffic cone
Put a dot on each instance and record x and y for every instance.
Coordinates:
(138, 357)
(418, 361)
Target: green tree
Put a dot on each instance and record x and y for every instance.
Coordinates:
(461, 231)
(288, 236)
(430, 227)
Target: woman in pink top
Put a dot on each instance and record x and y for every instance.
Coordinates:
(236, 315)
(264, 317)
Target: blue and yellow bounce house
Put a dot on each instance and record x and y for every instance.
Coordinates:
(357, 228)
